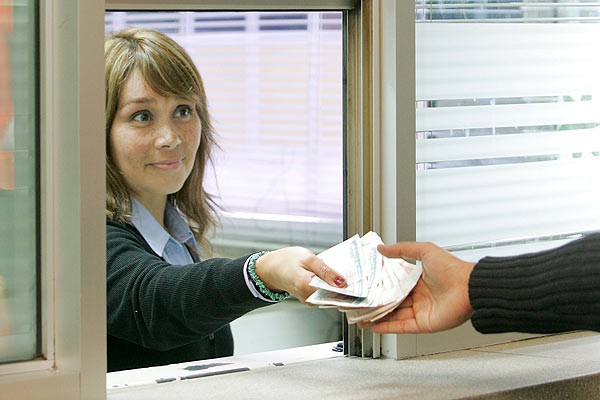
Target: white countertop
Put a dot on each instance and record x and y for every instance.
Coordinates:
(219, 366)
(561, 366)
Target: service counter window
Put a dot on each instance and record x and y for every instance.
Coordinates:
(396, 108)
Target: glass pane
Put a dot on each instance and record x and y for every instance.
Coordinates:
(18, 181)
(274, 83)
(508, 136)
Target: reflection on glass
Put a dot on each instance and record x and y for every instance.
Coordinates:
(7, 140)
(18, 185)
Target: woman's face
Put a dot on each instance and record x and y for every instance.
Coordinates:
(153, 139)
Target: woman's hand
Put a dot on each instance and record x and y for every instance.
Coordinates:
(291, 269)
(439, 301)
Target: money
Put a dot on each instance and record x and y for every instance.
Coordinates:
(347, 258)
(376, 284)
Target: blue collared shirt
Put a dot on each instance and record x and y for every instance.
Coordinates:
(172, 247)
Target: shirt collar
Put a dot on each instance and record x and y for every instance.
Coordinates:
(154, 234)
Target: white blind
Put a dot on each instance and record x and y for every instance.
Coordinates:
(508, 141)
(507, 10)
(274, 84)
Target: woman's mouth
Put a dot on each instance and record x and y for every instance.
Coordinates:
(168, 165)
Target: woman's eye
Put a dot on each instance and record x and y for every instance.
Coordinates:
(183, 111)
(142, 116)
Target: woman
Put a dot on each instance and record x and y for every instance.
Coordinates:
(166, 302)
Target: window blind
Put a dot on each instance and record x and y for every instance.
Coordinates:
(508, 141)
(506, 11)
(274, 85)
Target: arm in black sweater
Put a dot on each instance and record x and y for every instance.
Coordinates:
(556, 290)
(551, 291)
(162, 306)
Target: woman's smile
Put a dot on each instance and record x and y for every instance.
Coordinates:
(168, 165)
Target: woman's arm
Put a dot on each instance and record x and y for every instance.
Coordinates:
(161, 306)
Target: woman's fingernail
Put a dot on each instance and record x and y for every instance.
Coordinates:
(339, 280)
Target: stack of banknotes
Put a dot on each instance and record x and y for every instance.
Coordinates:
(376, 284)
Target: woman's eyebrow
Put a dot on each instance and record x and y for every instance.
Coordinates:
(185, 98)
(139, 100)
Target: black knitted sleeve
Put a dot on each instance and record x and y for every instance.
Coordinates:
(552, 291)
(162, 306)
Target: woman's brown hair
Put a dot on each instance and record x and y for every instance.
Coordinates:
(169, 71)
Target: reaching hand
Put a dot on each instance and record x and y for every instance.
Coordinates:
(439, 301)
(291, 269)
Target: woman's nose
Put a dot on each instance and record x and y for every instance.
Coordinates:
(167, 137)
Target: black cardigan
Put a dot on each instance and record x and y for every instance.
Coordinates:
(551, 291)
(160, 313)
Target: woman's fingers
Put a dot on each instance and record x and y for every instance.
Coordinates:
(325, 272)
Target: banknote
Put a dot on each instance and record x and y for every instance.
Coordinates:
(378, 284)
(348, 259)
(371, 314)
(363, 277)
(373, 258)
(398, 279)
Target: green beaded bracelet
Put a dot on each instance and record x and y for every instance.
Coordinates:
(260, 285)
